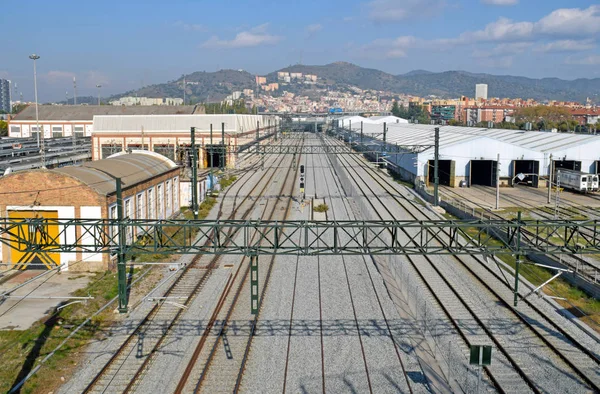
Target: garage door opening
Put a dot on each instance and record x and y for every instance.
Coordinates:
(526, 167)
(567, 164)
(597, 166)
(219, 157)
(445, 172)
(483, 172)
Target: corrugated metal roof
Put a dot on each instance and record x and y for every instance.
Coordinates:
(87, 112)
(407, 134)
(388, 119)
(181, 123)
(132, 168)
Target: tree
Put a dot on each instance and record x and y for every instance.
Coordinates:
(18, 108)
(3, 128)
(543, 117)
(396, 109)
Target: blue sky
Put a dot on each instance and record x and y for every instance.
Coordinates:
(125, 44)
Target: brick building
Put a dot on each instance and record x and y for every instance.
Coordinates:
(150, 187)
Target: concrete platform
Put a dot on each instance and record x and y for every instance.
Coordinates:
(513, 197)
(20, 314)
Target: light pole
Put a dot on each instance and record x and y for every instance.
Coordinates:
(42, 147)
(35, 57)
(98, 86)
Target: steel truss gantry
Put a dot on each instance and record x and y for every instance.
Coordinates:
(307, 238)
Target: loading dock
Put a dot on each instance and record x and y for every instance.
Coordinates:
(219, 156)
(446, 171)
(526, 167)
(483, 172)
(597, 166)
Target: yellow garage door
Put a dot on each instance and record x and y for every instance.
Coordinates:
(22, 258)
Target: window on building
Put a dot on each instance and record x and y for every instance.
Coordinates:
(109, 149)
(57, 131)
(79, 131)
(151, 204)
(15, 131)
(128, 215)
(176, 194)
(169, 199)
(160, 198)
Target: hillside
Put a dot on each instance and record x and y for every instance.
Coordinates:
(214, 86)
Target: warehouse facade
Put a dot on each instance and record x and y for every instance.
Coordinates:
(470, 154)
(65, 120)
(170, 135)
(150, 188)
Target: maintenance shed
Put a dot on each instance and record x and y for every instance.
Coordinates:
(150, 187)
(471, 154)
(170, 136)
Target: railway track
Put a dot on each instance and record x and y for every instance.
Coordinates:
(209, 370)
(128, 364)
(566, 352)
(590, 270)
(348, 215)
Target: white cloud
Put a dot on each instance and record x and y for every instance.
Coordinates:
(505, 49)
(191, 26)
(592, 60)
(571, 22)
(58, 76)
(389, 48)
(503, 29)
(567, 46)
(387, 11)
(254, 37)
(3, 74)
(500, 2)
(312, 29)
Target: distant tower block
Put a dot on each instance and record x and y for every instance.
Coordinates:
(481, 91)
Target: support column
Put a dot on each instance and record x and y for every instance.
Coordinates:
(254, 300)
(361, 132)
(121, 268)
(550, 168)
(498, 182)
(210, 158)
(517, 259)
(384, 136)
(194, 173)
(436, 178)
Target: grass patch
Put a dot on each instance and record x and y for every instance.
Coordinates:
(20, 350)
(576, 298)
(227, 181)
(321, 208)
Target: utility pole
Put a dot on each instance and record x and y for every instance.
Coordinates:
(121, 268)
(210, 155)
(517, 259)
(98, 86)
(74, 91)
(384, 135)
(361, 132)
(436, 179)
(550, 168)
(498, 182)
(194, 174)
(222, 161)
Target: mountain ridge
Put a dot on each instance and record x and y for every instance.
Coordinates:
(204, 86)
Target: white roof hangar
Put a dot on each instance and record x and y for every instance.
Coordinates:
(181, 123)
(389, 119)
(465, 144)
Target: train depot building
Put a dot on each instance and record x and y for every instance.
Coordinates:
(150, 188)
(170, 135)
(65, 120)
(469, 155)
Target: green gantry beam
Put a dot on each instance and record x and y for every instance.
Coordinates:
(307, 238)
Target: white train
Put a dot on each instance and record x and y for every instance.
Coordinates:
(577, 180)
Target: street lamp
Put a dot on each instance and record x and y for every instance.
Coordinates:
(98, 86)
(35, 57)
